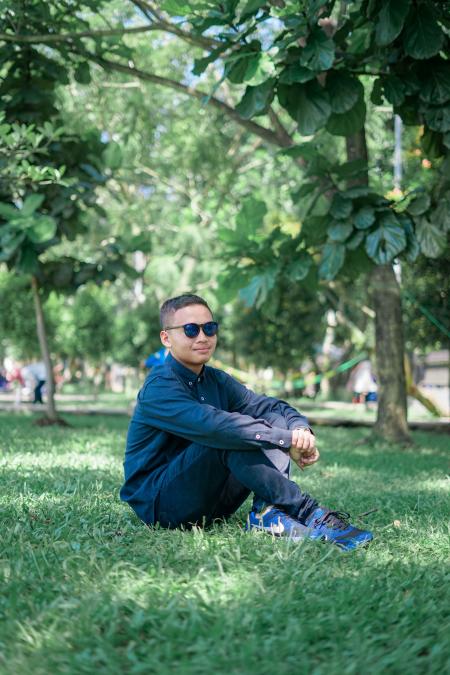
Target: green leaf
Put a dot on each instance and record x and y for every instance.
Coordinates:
(340, 231)
(93, 173)
(346, 124)
(314, 230)
(298, 269)
(112, 155)
(376, 95)
(419, 204)
(229, 236)
(313, 6)
(422, 37)
(333, 256)
(307, 104)
(390, 21)
(243, 66)
(31, 204)
(344, 91)
(8, 211)
(438, 118)
(412, 249)
(354, 241)
(230, 283)
(252, 7)
(432, 144)
(364, 218)
(340, 207)
(82, 73)
(431, 239)
(28, 260)
(258, 289)
(306, 150)
(359, 39)
(393, 90)
(387, 241)
(296, 73)
(319, 51)
(176, 7)
(256, 100)
(200, 65)
(303, 191)
(43, 229)
(441, 215)
(357, 191)
(251, 217)
(140, 242)
(354, 167)
(9, 243)
(435, 82)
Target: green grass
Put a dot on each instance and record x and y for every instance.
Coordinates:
(87, 589)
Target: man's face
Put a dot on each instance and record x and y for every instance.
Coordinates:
(191, 352)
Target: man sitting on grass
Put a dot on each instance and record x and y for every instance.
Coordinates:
(200, 442)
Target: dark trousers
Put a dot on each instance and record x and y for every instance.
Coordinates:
(38, 392)
(203, 484)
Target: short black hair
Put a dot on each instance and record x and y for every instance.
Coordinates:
(173, 304)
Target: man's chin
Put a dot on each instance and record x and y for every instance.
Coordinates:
(203, 354)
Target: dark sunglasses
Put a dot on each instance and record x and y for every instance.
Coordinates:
(191, 330)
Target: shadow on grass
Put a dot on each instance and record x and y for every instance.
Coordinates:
(198, 594)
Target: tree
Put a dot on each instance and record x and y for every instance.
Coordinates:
(43, 199)
(315, 76)
(309, 63)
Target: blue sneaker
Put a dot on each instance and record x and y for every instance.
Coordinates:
(334, 526)
(277, 523)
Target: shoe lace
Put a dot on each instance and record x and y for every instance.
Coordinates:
(335, 520)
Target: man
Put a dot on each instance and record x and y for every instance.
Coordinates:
(37, 373)
(199, 443)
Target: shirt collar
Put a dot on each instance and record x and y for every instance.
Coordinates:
(186, 374)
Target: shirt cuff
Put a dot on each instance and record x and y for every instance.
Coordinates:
(304, 426)
(275, 437)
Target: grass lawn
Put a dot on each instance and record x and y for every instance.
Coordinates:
(85, 588)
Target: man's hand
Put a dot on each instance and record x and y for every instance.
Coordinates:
(303, 448)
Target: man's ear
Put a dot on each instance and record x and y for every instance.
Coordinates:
(165, 339)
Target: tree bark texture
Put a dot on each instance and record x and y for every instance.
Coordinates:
(391, 422)
(43, 343)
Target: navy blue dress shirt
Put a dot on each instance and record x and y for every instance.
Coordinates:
(177, 407)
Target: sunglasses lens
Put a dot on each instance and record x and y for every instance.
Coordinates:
(210, 328)
(191, 330)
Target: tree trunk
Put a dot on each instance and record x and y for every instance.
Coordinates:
(43, 343)
(391, 422)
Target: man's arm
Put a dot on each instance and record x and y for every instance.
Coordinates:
(245, 401)
(303, 450)
(165, 404)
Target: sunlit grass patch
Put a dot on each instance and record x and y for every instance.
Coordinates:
(86, 588)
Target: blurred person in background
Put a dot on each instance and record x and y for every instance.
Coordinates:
(36, 373)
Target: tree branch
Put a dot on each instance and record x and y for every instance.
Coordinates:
(285, 138)
(151, 12)
(65, 37)
(267, 135)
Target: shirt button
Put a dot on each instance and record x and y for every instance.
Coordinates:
(258, 436)
(202, 398)
(190, 384)
(281, 442)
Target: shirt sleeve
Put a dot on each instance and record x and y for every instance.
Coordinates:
(165, 404)
(278, 412)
